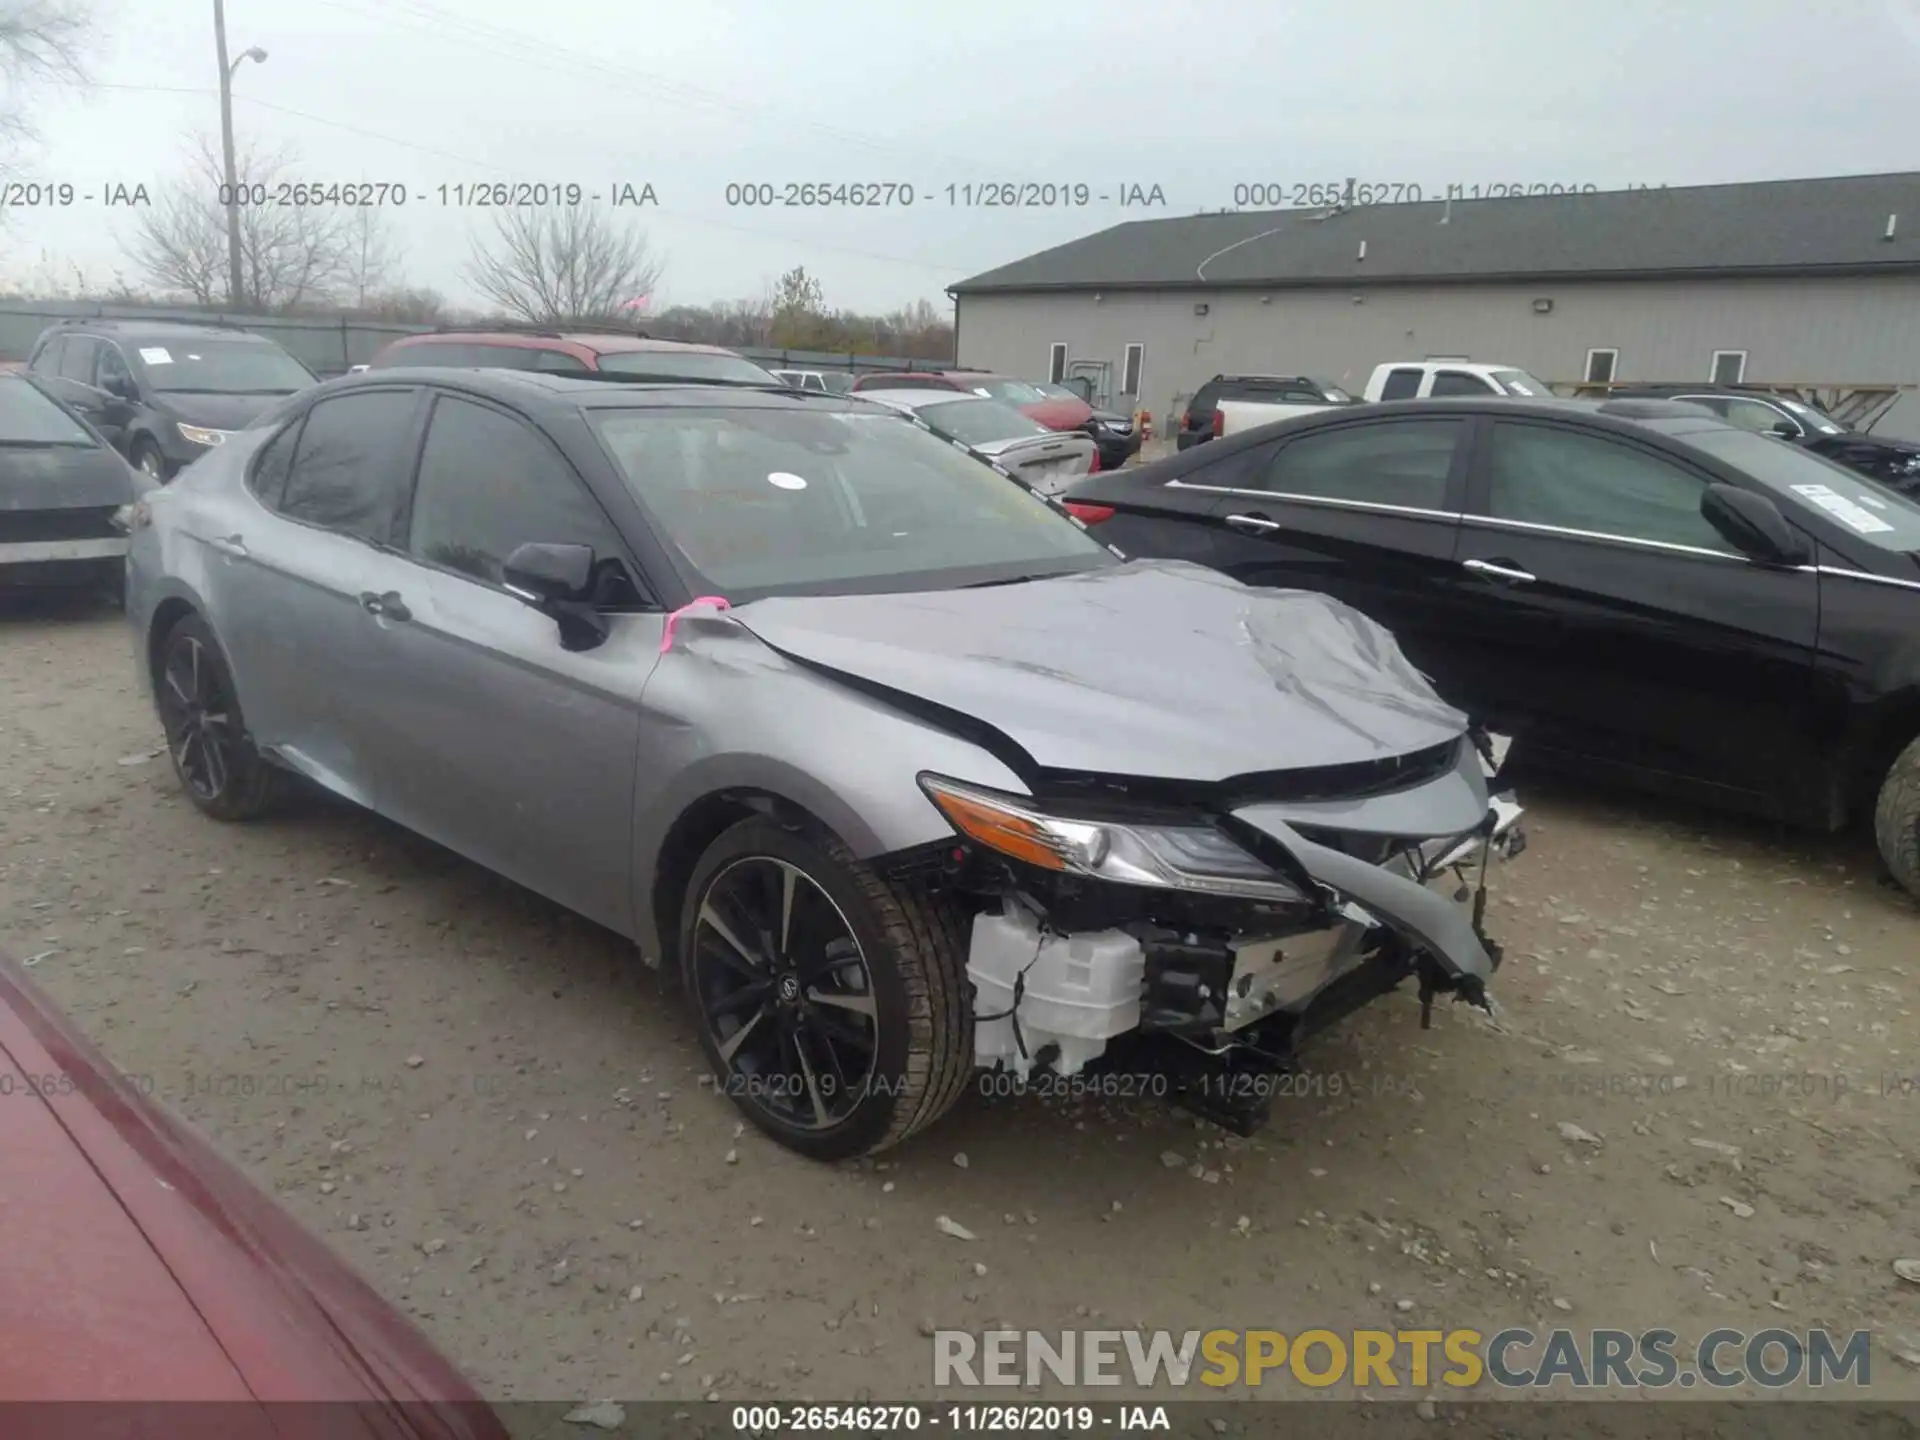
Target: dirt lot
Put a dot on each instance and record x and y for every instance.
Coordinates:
(1695, 1108)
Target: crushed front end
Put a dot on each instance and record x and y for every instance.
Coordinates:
(1207, 931)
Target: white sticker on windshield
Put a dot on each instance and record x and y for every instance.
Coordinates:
(156, 355)
(786, 480)
(1846, 511)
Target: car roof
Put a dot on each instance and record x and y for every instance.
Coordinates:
(178, 329)
(590, 393)
(599, 342)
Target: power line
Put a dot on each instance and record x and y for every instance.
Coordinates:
(362, 131)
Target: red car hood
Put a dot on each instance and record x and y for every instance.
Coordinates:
(136, 1264)
(1059, 414)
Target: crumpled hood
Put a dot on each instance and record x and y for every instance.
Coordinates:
(1152, 669)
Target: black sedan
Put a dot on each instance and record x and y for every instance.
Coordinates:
(61, 485)
(1891, 462)
(1634, 587)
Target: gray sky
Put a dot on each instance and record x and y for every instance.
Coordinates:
(1194, 97)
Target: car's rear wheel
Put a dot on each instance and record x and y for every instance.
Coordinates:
(1896, 819)
(213, 756)
(833, 1004)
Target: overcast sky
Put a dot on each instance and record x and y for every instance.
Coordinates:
(1194, 97)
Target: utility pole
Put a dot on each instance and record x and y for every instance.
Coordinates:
(235, 284)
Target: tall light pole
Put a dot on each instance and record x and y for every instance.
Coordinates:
(235, 281)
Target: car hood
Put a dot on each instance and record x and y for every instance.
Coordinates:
(63, 478)
(1151, 669)
(216, 412)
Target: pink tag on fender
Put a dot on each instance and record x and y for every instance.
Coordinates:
(718, 602)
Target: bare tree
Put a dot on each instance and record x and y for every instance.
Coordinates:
(576, 263)
(373, 259)
(290, 255)
(40, 40)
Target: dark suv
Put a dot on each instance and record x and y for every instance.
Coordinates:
(1197, 423)
(622, 354)
(164, 393)
(1895, 463)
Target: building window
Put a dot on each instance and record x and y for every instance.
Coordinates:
(1729, 367)
(1602, 366)
(1057, 364)
(1130, 370)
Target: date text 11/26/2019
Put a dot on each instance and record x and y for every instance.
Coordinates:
(971, 195)
(1282, 195)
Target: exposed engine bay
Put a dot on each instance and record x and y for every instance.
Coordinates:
(1207, 946)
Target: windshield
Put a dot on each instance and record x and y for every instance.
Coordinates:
(1519, 382)
(1014, 392)
(222, 367)
(1869, 509)
(839, 384)
(980, 422)
(1340, 397)
(1815, 420)
(28, 417)
(803, 501)
(686, 365)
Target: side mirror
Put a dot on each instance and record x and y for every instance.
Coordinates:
(557, 580)
(1754, 525)
(1785, 429)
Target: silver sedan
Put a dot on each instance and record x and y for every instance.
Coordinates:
(1048, 460)
(885, 758)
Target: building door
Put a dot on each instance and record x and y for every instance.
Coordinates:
(1099, 375)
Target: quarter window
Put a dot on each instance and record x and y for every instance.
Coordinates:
(1755, 415)
(1402, 462)
(47, 360)
(348, 462)
(488, 485)
(1567, 480)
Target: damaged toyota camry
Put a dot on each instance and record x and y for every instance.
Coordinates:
(897, 770)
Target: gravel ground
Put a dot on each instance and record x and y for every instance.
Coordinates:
(1694, 1109)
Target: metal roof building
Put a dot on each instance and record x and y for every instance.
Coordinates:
(1814, 283)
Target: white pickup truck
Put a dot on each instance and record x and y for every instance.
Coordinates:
(1228, 404)
(1419, 379)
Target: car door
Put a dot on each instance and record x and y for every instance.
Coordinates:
(1610, 621)
(298, 563)
(1365, 511)
(493, 739)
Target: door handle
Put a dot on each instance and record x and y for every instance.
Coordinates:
(388, 606)
(1497, 570)
(230, 545)
(1257, 524)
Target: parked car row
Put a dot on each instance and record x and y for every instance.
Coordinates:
(1636, 588)
(1057, 407)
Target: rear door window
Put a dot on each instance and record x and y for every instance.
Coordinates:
(350, 462)
(1403, 463)
(1401, 384)
(1460, 382)
(77, 362)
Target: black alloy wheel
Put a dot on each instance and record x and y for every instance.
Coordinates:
(832, 1003)
(785, 992)
(207, 740)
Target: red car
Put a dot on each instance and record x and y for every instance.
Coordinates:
(621, 354)
(1071, 413)
(143, 1274)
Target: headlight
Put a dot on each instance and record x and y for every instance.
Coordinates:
(1198, 858)
(200, 435)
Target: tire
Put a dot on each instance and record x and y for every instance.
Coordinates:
(114, 588)
(145, 456)
(213, 757)
(1896, 819)
(864, 1081)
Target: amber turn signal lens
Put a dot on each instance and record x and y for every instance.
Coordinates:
(997, 829)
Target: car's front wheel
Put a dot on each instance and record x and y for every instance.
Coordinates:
(833, 1004)
(213, 756)
(1896, 819)
(148, 460)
